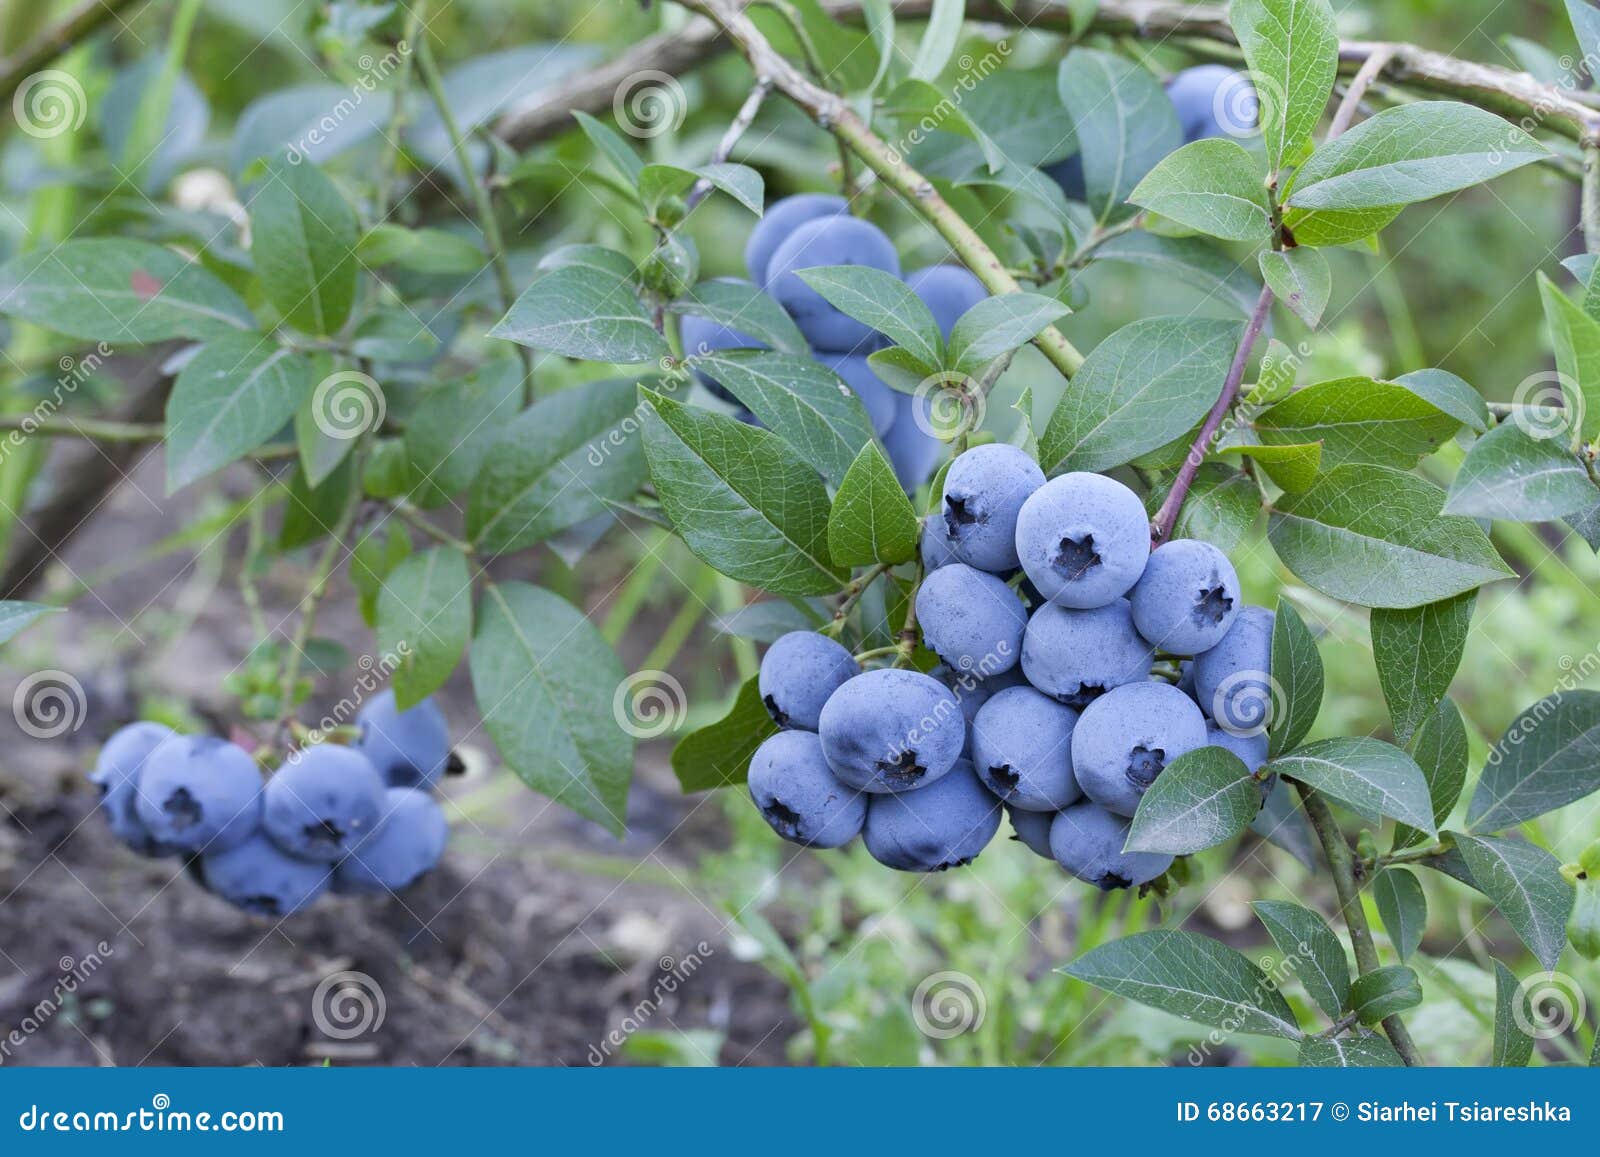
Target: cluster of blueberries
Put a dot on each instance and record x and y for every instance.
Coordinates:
(359, 820)
(813, 229)
(1129, 658)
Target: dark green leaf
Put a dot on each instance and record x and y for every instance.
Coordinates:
(880, 300)
(741, 306)
(547, 687)
(1402, 907)
(1440, 749)
(1222, 507)
(1284, 825)
(1358, 420)
(582, 312)
(1123, 121)
(310, 513)
(1191, 976)
(1417, 651)
(1313, 951)
(425, 618)
(1212, 186)
(718, 755)
(1297, 670)
(1372, 778)
(740, 499)
(1292, 50)
(1548, 758)
(455, 423)
(1576, 336)
(1450, 394)
(303, 239)
(610, 145)
(236, 393)
(1203, 798)
(1525, 884)
(1366, 1050)
(1301, 279)
(1513, 1047)
(998, 325)
(1511, 474)
(1376, 537)
(872, 520)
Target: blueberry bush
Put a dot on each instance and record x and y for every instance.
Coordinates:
(1031, 553)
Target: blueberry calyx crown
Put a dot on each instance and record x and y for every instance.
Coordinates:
(1212, 606)
(902, 768)
(1144, 764)
(1075, 557)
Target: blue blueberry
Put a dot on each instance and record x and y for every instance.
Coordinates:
(410, 748)
(1087, 840)
(972, 691)
(199, 793)
(1186, 677)
(1022, 749)
(914, 452)
(800, 797)
(781, 219)
(263, 879)
(1252, 749)
(892, 730)
(948, 291)
(1233, 680)
(876, 396)
(1077, 656)
(1125, 738)
(1068, 174)
(116, 774)
(828, 241)
(936, 546)
(406, 845)
(322, 801)
(1187, 597)
(943, 825)
(971, 619)
(1083, 539)
(984, 490)
(701, 335)
(1032, 830)
(798, 673)
(1213, 100)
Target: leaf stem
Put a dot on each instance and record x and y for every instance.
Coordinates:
(416, 518)
(1342, 864)
(736, 128)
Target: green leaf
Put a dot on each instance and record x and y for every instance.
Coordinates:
(120, 292)
(916, 102)
(1385, 992)
(1318, 958)
(742, 306)
(719, 754)
(236, 393)
(939, 38)
(374, 558)
(556, 464)
(546, 686)
(1450, 394)
(1511, 474)
(298, 119)
(425, 616)
(1411, 153)
(615, 151)
(800, 400)
(1147, 384)
(1292, 467)
(1203, 798)
(310, 513)
(1213, 186)
(582, 312)
(426, 250)
(872, 520)
(1372, 778)
(1402, 907)
(658, 182)
(900, 369)
(1525, 884)
(1297, 669)
(1548, 757)
(455, 424)
(1366, 1050)
(16, 615)
(1124, 124)
(1513, 1047)
(597, 257)
(998, 325)
(1284, 824)
(1358, 420)
(1292, 49)
(303, 239)
(1301, 279)
(1417, 651)
(1585, 19)
(740, 499)
(1192, 260)
(1222, 508)
(320, 451)
(1325, 228)
(1375, 537)
(393, 335)
(1440, 749)
(1190, 976)
(882, 301)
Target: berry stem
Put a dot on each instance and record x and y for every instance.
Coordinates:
(852, 595)
(908, 633)
(1342, 864)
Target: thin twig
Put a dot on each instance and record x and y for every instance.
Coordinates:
(1369, 71)
(819, 73)
(416, 518)
(740, 125)
(1590, 212)
(79, 24)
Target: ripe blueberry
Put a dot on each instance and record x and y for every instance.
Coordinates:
(1032, 830)
(1083, 539)
(1087, 840)
(701, 335)
(984, 490)
(944, 825)
(1232, 681)
(890, 730)
(1022, 749)
(1187, 597)
(971, 620)
(948, 291)
(322, 801)
(800, 797)
(798, 673)
(913, 451)
(199, 793)
(410, 748)
(832, 240)
(116, 774)
(876, 396)
(781, 219)
(263, 879)
(1213, 100)
(405, 845)
(1125, 738)
(1076, 656)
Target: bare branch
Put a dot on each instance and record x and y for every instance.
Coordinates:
(81, 22)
